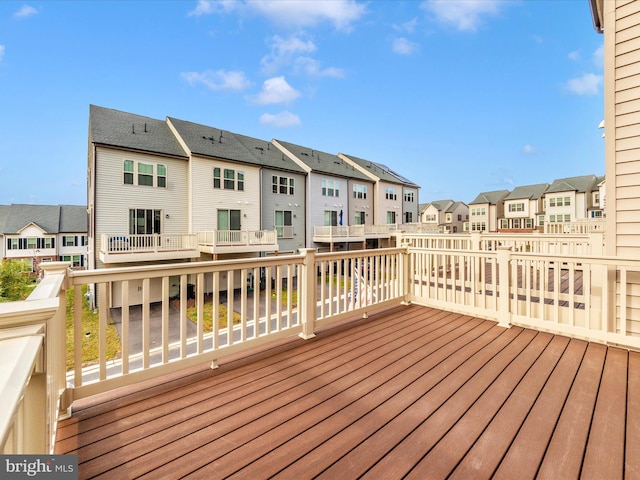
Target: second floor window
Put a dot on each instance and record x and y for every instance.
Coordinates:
(360, 191)
(232, 180)
(516, 207)
(330, 188)
(282, 185)
(139, 173)
(430, 218)
(390, 194)
(409, 197)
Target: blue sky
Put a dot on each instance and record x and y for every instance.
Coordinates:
(460, 97)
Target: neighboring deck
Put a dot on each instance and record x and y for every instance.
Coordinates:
(413, 392)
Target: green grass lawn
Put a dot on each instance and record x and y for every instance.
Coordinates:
(90, 343)
(192, 313)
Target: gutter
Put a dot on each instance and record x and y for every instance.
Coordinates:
(596, 15)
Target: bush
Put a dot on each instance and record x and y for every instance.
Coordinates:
(15, 282)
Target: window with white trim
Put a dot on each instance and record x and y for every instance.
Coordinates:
(359, 191)
(390, 194)
(282, 185)
(141, 173)
(283, 223)
(330, 188)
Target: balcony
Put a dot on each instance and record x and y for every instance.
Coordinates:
(350, 233)
(116, 248)
(412, 361)
(237, 241)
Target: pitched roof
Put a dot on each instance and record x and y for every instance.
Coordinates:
(380, 171)
(454, 206)
(440, 205)
(324, 162)
(492, 198)
(573, 184)
(50, 218)
(268, 155)
(73, 218)
(530, 192)
(118, 129)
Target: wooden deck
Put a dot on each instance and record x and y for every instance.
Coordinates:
(410, 393)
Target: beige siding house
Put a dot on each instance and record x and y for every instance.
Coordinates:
(568, 199)
(485, 210)
(523, 208)
(445, 216)
(620, 22)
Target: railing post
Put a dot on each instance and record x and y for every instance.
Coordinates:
(475, 241)
(502, 284)
(56, 351)
(308, 311)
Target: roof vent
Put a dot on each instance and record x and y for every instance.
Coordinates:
(133, 128)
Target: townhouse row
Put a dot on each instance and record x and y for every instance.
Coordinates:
(554, 208)
(44, 233)
(161, 190)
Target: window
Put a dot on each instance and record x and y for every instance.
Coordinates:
(359, 218)
(552, 218)
(567, 218)
(69, 241)
(596, 214)
(567, 201)
(75, 260)
(478, 226)
(162, 176)
(552, 202)
(240, 181)
(504, 223)
(408, 217)
(360, 191)
(528, 223)
(330, 188)
(330, 218)
(144, 221)
(409, 197)
(430, 218)
(283, 223)
(597, 199)
(390, 194)
(282, 185)
(516, 207)
(391, 217)
(459, 217)
(229, 179)
(145, 174)
(32, 242)
(516, 223)
(128, 172)
(541, 220)
(216, 177)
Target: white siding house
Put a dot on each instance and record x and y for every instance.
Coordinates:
(485, 211)
(568, 199)
(523, 208)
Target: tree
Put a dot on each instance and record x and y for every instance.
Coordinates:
(15, 283)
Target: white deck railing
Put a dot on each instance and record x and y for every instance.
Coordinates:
(113, 243)
(587, 296)
(350, 232)
(237, 238)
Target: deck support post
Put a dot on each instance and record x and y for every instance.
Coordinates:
(308, 304)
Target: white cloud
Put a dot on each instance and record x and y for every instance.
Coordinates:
(598, 57)
(284, 50)
(575, 55)
(528, 149)
(293, 13)
(207, 7)
(276, 90)
(219, 80)
(585, 85)
(408, 27)
(282, 119)
(312, 68)
(404, 46)
(464, 15)
(25, 11)
(1, 52)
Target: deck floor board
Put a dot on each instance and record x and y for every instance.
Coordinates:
(412, 392)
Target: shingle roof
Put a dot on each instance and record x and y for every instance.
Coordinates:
(324, 162)
(492, 198)
(454, 206)
(268, 155)
(50, 218)
(133, 132)
(73, 218)
(381, 171)
(441, 205)
(573, 184)
(530, 192)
